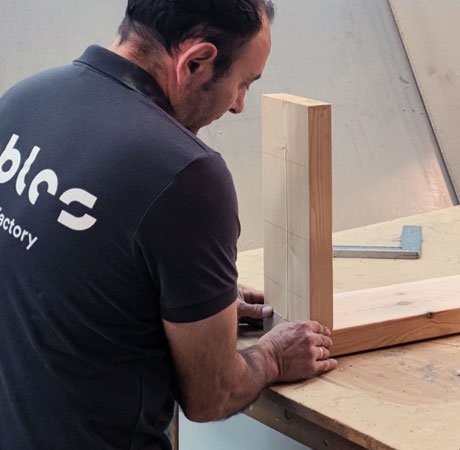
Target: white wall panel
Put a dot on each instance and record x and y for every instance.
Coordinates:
(347, 52)
(237, 433)
(39, 34)
(431, 34)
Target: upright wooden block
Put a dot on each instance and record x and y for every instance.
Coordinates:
(297, 183)
(296, 142)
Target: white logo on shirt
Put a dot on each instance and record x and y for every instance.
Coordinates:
(48, 178)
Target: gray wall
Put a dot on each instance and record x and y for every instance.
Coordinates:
(386, 160)
(38, 34)
(387, 163)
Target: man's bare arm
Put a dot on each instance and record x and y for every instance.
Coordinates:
(216, 381)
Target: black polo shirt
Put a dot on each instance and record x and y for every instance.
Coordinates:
(112, 217)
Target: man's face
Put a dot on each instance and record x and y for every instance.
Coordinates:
(208, 102)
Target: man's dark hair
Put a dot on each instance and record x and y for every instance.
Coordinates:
(228, 24)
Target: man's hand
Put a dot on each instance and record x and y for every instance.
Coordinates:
(215, 381)
(250, 306)
(301, 350)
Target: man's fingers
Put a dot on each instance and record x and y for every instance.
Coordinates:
(252, 296)
(318, 328)
(322, 353)
(322, 341)
(324, 330)
(254, 311)
(326, 366)
(300, 351)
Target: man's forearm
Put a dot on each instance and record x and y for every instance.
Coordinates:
(259, 370)
(236, 387)
(216, 381)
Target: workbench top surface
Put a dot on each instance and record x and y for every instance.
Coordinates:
(405, 397)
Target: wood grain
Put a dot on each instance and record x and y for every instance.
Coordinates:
(405, 397)
(275, 412)
(395, 332)
(297, 174)
(399, 398)
(397, 301)
(396, 314)
(440, 253)
(320, 167)
(440, 256)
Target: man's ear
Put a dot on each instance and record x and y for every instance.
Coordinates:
(197, 62)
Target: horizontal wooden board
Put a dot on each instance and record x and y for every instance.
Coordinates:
(404, 398)
(397, 314)
(440, 255)
(440, 252)
(395, 332)
(400, 309)
(273, 410)
(397, 301)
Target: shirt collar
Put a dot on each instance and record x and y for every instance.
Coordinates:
(126, 72)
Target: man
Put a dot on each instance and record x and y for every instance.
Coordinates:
(118, 232)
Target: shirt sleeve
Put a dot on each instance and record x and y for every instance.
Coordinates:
(188, 242)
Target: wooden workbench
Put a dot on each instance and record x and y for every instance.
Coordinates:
(406, 397)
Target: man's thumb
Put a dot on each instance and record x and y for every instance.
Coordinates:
(255, 311)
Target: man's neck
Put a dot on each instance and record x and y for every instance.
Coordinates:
(158, 66)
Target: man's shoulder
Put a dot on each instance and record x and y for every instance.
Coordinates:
(103, 107)
(40, 79)
(96, 129)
